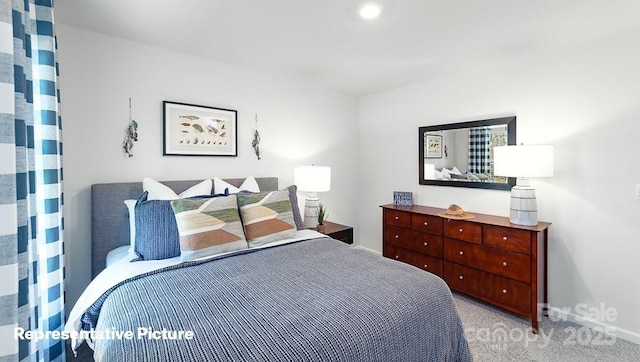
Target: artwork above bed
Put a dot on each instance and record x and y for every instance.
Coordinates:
(193, 130)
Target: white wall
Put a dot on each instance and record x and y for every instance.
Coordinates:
(299, 124)
(584, 100)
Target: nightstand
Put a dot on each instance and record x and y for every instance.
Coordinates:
(340, 232)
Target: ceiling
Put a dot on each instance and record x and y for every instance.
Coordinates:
(325, 42)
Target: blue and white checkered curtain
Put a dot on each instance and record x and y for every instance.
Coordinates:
(480, 150)
(31, 198)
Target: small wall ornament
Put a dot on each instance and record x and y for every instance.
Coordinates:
(131, 134)
(256, 140)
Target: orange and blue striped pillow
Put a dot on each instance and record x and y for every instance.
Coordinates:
(266, 216)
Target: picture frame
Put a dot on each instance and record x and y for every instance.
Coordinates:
(432, 146)
(195, 130)
(402, 198)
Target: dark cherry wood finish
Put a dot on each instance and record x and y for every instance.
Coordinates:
(340, 232)
(486, 257)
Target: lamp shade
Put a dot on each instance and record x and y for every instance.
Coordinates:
(523, 161)
(312, 178)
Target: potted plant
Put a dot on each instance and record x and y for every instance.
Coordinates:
(322, 217)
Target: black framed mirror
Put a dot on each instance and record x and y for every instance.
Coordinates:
(461, 154)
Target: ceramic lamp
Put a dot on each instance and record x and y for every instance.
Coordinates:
(523, 162)
(312, 179)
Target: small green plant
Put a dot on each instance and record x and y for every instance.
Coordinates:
(322, 214)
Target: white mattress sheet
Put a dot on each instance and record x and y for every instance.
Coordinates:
(119, 254)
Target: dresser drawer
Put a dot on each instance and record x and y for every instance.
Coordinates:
(396, 235)
(397, 218)
(408, 239)
(463, 230)
(488, 286)
(421, 261)
(427, 224)
(395, 253)
(507, 238)
(505, 263)
(428, 263)
(463, 279)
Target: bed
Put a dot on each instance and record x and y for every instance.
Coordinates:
(304, 297)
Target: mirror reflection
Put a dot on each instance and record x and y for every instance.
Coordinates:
(461, 154)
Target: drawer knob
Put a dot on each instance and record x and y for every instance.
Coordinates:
(461, 277)
(426, 223)
(504, 263)
(426, 266)
(460, 230)
(426, 244)
(504, 291)
(397, 236)
(504, 238)
(397, 218)
(397, 256)
(461, 252)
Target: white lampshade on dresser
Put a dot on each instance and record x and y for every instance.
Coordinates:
(312, 179)
(523, 162)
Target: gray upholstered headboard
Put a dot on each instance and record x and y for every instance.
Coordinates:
(110, 218)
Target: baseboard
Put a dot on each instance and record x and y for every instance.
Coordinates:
(368, 249)
(561, 314)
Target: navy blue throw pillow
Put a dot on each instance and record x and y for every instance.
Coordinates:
(157, 234)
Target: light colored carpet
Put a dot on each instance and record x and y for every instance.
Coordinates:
(495, 335)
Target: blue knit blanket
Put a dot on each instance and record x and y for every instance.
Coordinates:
(313, 300)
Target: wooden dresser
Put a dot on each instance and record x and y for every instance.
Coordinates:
(486, 257)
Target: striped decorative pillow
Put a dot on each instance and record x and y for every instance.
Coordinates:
(266, 216)
(156, 233)
(208, 226)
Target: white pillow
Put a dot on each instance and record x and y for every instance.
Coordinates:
(456, 171)
(445, 173)
(131, 206)
(249, 184)
(158, 191)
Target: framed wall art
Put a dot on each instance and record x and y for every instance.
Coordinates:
(402, 198)
(192, 130)
(432, 146)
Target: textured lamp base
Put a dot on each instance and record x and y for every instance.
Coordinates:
(311, 208)
(524, 208)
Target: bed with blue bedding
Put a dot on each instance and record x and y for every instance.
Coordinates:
(304, 298)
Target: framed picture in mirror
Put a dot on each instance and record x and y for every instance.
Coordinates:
(433, 146)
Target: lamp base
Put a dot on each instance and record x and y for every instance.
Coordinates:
(311, 208)
(524, 208)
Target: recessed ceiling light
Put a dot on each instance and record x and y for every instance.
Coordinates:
(370, 10)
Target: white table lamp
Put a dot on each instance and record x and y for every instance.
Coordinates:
(312, 179)
(523, 162)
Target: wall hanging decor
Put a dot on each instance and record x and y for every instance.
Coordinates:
(256, 140)
(193, 130)
(131, 134)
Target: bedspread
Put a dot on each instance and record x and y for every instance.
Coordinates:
(312, 300)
